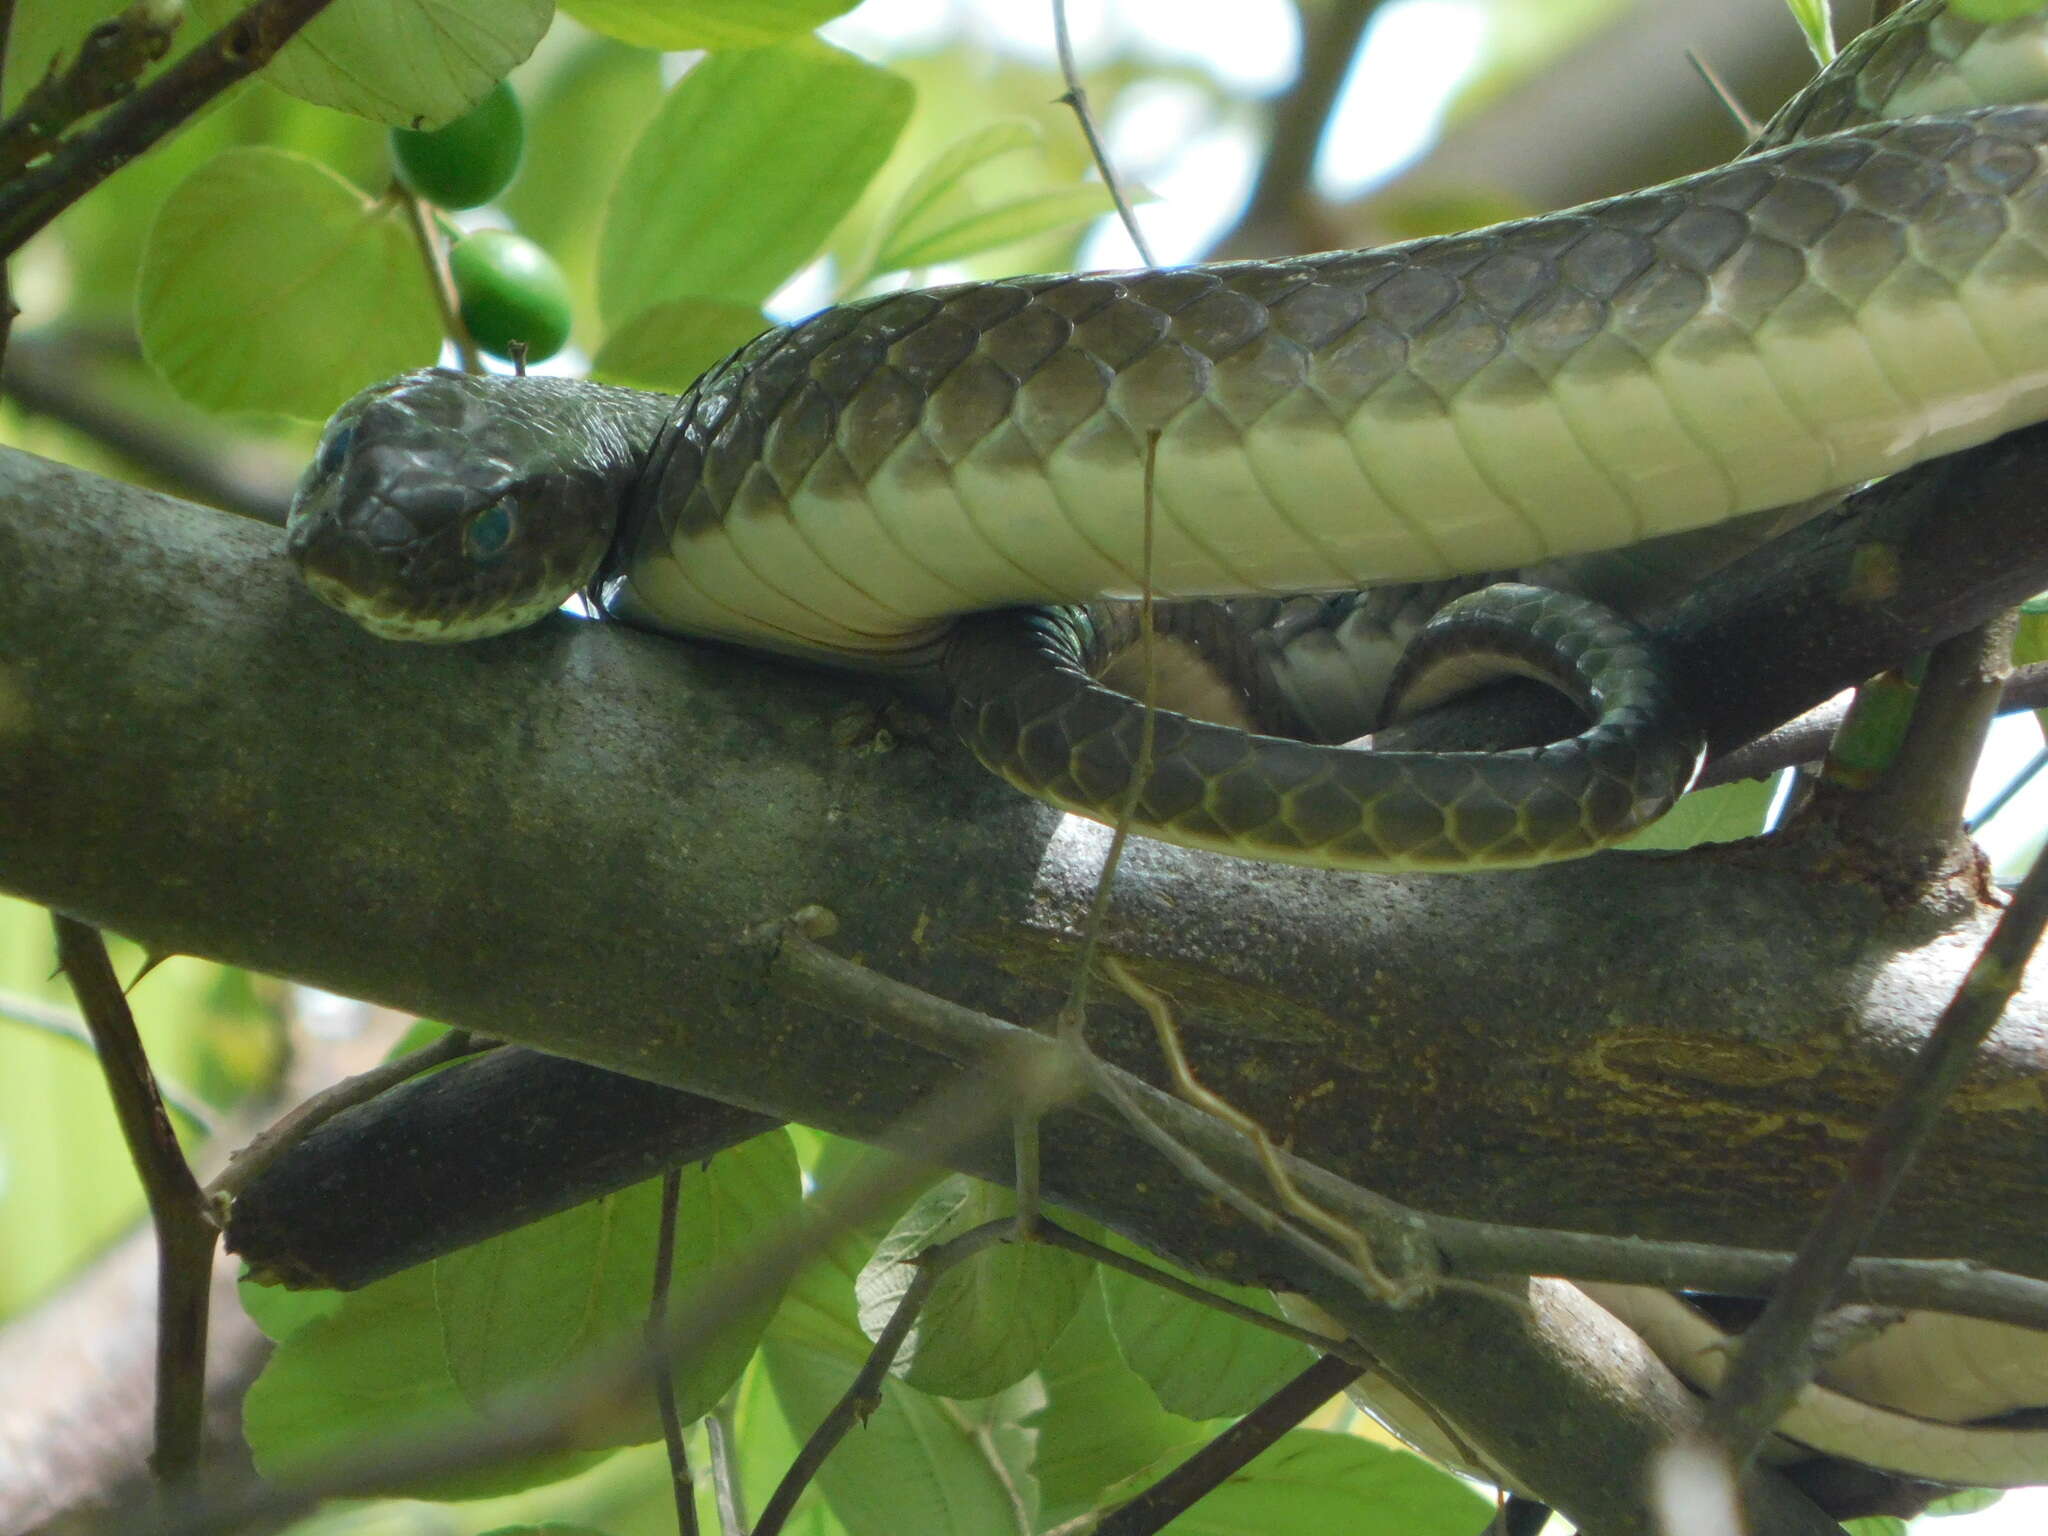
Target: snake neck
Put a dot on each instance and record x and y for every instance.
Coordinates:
(638, 503)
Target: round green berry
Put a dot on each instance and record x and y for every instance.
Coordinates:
(468, 162)
(510, 290)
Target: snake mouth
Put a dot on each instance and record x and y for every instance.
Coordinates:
(393, 587)
(392, 622)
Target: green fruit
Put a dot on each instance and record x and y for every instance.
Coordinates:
(468, 162)
(510, 290)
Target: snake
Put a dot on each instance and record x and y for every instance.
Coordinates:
(942, 481)
(970, 483)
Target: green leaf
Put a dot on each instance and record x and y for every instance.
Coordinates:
(373, 1373)
(936, 218)
(926, 197)
(581, 119)
(1964, 1501)
(1994, 10)
(1201, 1363)
(545, 1528)
(991, 1317)
(769, 1446)
(713, 24)
(522, 1306)
(669, 345)
(1006, 223)
(1315, 1483)
(280, 1313)
(427, 1347)
(1875, 1525)
(2030, 644)
(1722, 814)
(939, 1468)
(749, 163)
(1819, 27)
(270, 284)
(406, 63)
(1101, 1423)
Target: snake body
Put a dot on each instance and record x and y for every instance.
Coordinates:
(1811, 316)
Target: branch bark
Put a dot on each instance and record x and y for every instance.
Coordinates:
(565, 837)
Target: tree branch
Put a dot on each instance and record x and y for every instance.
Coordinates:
(1571, 1046)
(234, 52)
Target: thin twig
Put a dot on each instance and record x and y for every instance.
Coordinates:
(725, 1474)
(679, 1477)
(1072, 1020)
(49, 1019)
(841, 986)
(297, 1123)
(1468, 1248)
(1915, 811)
(1721, 91)
(1773, 1362)
(544, 1419)
(1077, 99)
(82, 162)
(440, 281)
(185, 1230)
(864, 1393)
(56, 378)
(1073, 1017)
(111, 58)
(1354, 1242)
(1053, 1235)
(1229, 1453)
(1119, 1093)
(2009, 791)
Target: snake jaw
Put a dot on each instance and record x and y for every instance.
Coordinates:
(404, 581)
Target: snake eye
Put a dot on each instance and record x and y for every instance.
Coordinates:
(333, 451)
(488, 532)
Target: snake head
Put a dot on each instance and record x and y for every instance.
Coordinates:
(450, 506)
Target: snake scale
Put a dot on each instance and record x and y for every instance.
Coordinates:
(1866, 288)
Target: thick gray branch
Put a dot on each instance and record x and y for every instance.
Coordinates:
(563, 838)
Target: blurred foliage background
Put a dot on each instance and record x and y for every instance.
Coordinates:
(1246, 129)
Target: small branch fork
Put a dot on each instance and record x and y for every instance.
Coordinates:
(1172, 1495)
(542, 1420)
(804, 970)
(1774, 1360)
(864, 1395)
(80, 163)
(111, 58)
(185, 1228)
(1076, 98)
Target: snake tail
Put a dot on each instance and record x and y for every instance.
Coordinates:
(1026, 702)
